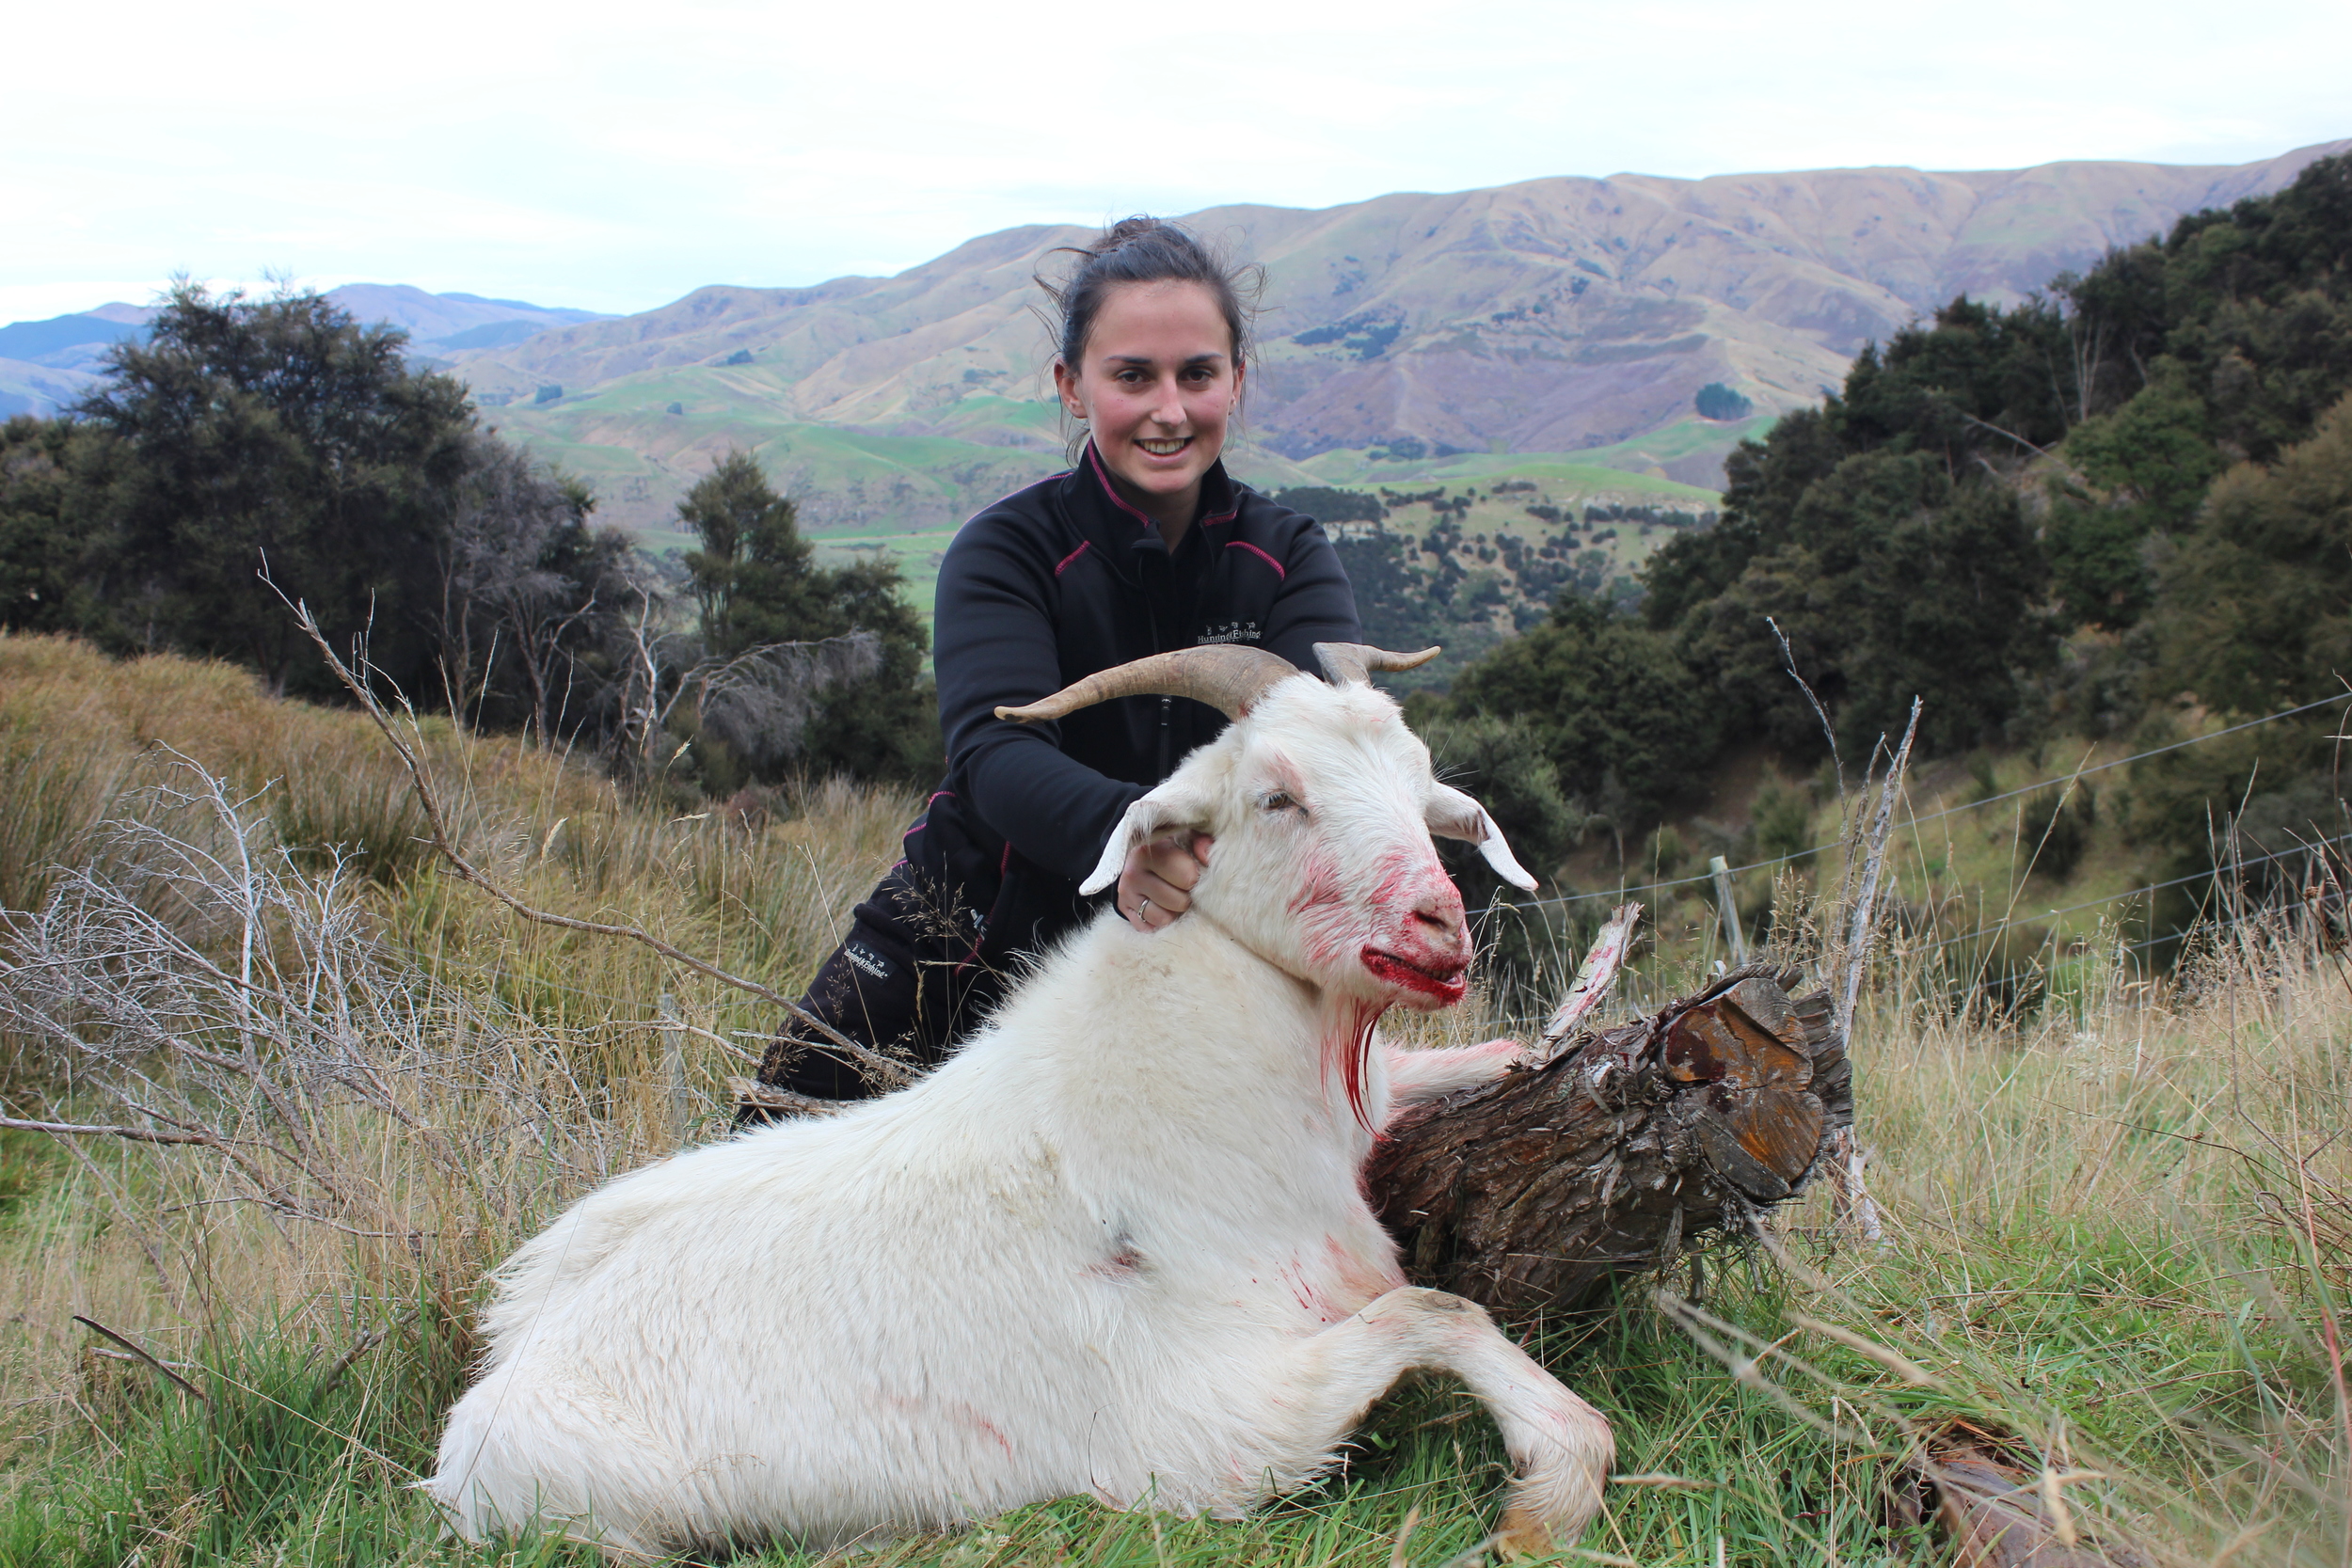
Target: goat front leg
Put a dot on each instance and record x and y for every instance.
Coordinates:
(1560, 1447)
(1417, 1077)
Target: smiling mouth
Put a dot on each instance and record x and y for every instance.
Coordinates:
(1164, 448)
(1446, 984)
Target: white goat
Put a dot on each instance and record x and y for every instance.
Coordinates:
(1115, 1246)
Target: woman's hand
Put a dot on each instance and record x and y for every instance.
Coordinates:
(1156, 886)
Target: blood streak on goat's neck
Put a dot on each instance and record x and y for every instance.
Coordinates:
(1347, 1044)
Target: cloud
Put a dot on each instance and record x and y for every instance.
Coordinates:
(617, 155)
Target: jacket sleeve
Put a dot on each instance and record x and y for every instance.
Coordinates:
(997, 646)
(1316, 604)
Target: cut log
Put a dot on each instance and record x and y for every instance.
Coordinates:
(1528, 1193)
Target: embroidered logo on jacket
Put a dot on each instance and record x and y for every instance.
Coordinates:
(1231, 631)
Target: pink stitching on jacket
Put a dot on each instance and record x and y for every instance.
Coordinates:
(1246, 545)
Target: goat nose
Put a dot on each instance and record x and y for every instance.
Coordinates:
(1441, 912)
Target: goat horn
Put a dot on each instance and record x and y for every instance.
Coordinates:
(1225, 676)
(1352, 663)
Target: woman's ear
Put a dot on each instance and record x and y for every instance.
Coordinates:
(1066, 387)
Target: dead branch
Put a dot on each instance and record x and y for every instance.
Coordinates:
(97, 1327)
(77, 1130)
(1594, 978)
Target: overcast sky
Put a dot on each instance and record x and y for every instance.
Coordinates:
(615, 156)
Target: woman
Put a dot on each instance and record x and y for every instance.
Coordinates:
(1145, 546)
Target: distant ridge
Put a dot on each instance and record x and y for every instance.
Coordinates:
(1414, 337)
(1401, 335)
(47, 364)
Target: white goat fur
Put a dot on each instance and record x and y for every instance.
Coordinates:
(1115, 1246)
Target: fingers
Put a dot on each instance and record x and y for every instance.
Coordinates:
(1156, 885)
(1174, 859)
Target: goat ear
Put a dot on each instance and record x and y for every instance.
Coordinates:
(1170, 805)
(1455, 814)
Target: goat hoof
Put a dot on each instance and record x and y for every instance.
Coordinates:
(1523, 1534)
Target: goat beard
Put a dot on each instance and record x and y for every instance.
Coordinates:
(1347, 1045)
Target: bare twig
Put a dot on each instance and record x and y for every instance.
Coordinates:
(1849, 1194)
(79, 1130)
(97, 1327)
(368, 1341)
(869, 1060)
(1829, 730)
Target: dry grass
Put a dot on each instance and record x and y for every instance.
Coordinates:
(2118, 1231)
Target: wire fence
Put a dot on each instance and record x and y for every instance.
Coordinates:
(638, 1011)
(1621, 893)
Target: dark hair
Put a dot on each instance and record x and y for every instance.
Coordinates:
(1146, 251)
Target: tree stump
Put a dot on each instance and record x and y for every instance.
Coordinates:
(1528, 1193)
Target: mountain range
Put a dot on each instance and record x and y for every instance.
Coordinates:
(47, 364)
(1562, 328)
(1406, 338)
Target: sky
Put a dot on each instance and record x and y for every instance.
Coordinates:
(616, 156)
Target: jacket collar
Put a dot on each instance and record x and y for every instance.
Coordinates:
(1121, 532)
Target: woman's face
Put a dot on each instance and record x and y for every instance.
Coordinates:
(1157, 385)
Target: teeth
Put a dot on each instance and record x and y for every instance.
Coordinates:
(1162, 449)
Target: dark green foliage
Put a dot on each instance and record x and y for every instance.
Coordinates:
(1612, 706)
(47, 522)
(1980, 380)
(2256, 610)
(1889, 581)
(755, 584)
(1328, 505)
(2252, 617)
(1716, 401)
(2054, 828)
(1780, 822)
(2153, 456)
(1409, 603)
(280, 430)
(1502, 763)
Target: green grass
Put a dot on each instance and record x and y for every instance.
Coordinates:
(2096, 1233)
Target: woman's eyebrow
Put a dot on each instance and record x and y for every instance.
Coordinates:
(1210, 359)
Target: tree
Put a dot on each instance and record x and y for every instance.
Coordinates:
(1609, 704)
(2253, 612)
(755, 585)
(530, 595)
(278, 431)
(45, 523)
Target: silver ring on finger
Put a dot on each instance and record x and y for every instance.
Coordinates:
(1142, 904)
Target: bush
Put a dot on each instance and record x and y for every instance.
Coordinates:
(1781, 820)
(2055, 828)
(1718, 402)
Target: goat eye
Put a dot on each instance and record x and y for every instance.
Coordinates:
(1278, 799)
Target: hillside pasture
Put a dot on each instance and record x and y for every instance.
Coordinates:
(2115, 1233)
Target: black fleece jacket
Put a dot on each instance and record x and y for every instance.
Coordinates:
(1050, 585)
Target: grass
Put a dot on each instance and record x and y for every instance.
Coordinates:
(2116, 1232)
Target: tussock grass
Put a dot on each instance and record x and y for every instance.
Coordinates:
(2116, 1228)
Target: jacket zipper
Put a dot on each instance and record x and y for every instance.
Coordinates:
(1152, 612)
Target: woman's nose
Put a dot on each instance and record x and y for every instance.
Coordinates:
(1169, 409)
